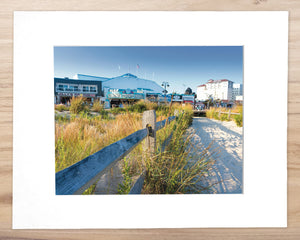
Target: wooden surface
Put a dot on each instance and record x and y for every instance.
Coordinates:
(6, 102)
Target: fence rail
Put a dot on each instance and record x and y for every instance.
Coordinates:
(78, 177)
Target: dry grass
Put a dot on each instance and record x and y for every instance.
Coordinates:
(169, 171)
(214, 113)
(82, 136)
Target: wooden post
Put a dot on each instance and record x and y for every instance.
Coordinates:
(220, 113)
(229, 114)
(149, 122)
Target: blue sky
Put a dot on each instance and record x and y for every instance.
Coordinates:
(180, 66)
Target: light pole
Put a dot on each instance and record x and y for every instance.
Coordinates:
(165, 85)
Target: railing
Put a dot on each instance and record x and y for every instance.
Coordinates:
(229, 113)
(78, 177)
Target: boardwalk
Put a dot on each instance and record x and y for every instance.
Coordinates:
(228, 169)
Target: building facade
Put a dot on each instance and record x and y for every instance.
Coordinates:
(126, 88)
(113, 92)
(65, 89)
(237, 91)
(216, 90)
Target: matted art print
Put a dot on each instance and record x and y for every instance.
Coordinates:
(150, 119)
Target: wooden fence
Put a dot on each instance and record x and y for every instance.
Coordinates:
(78, 177)
(229, 113)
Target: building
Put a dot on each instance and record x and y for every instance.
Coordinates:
(190, 99)
(237, 91)
(216, 90)
(122, 89)
(125, 81)
(66, 88)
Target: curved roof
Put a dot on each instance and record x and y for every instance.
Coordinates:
(130, 81)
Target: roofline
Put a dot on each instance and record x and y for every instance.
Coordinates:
(90, 75)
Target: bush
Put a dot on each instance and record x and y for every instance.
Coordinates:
(97, 106)
(139, 107)
(224, 117)
(117, 110)
(77, 105)
(238, 120)
(61, 107)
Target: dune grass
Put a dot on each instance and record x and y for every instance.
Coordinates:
(238, 119)
(174, 168)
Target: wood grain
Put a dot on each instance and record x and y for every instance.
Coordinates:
(6, 106)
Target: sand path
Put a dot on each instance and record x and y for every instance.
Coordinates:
(227, 175)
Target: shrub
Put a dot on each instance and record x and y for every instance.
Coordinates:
(117, 110)
(139, 107)
(224, 117)
(61, 107)
(238, 120)
(77, 105)
(97, 106)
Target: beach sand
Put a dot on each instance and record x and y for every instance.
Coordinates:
(227, 173)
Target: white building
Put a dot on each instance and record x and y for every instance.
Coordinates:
(216, 89)
(237, 91)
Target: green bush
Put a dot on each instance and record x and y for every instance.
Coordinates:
(224, 117)
(139, 107)
(61, 107)
(77, 105)
(117, 110)
(238, 120)
(97, 106)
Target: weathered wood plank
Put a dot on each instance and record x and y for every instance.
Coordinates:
(231, 113)
(76, 178)
(138, 185)
(161, 124)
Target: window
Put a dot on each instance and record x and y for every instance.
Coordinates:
(75, 88)
(60, 87)
(93, 89)
(85, 89)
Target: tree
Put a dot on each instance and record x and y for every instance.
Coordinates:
(188, 91)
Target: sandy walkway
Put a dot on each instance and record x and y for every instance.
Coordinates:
(228, 169)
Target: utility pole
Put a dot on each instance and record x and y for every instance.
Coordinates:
(165, 85)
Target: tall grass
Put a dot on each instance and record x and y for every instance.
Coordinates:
(238, 119)
(77, 105)
(97, 107)
(180, 166)
(83, 135)
(174, 168)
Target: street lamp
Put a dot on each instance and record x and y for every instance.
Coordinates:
(165, 85)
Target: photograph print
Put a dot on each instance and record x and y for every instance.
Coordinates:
(148, 120)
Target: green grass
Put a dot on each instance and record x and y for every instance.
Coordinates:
(180, 167)
(238, 119)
